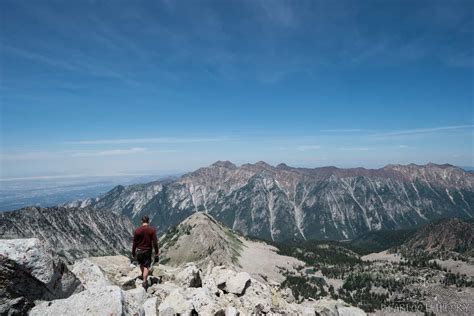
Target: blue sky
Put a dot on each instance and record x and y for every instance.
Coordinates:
(137, 87)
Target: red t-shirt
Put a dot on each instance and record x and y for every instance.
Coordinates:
(145, 239)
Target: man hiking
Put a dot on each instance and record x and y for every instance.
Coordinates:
(144, 240)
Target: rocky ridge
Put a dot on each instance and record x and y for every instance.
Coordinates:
(219, 291)
(110, 286)
(70, 232)
(441, 238)
(203, 240)
(281, 203)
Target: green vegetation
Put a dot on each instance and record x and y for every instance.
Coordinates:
(457, 279)
(304, 287)
(235, 245)
(317, 253)
(173, 234)
(376, 241)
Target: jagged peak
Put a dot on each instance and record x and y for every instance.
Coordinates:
(179, 243)
(282, 166)
(199, 216)
(263, 164)
(224, 164)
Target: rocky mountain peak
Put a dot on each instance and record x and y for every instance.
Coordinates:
(224, 164)
(206, 242)
(263, 164)
(191, 239)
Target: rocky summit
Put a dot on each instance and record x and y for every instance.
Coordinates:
(281, 203)
(204, 241)
(110, 286)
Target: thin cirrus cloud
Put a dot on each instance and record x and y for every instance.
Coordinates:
(78, 154)
(33, 155)
(356, 148)
(300, 148)
(112, 152)
(159, 140)
(308, 147)
(417, 131)
(76, 66)
(342, 130)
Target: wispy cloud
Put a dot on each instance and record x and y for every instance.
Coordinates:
(113, 152)
(278, 12)
(157, 140)
(78, 65)
(40, 155)
(33, 155)
(342, 130)
(308, 147)
(300, 148)
(423, 130)
(357, 148)
(39, 58)
(43, 177)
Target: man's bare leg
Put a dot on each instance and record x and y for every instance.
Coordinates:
(145, 276)
(141, 269)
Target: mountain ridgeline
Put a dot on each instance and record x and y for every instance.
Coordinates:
(281, 203)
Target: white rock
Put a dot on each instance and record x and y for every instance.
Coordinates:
(230, 311)
(163, 290)
(257, 298)
(351, 311)
(89, 273)
(32, 254)
(221, 274)
(329, 307)
(238, 283)
(127, 283)
(189, 276)
(134, 300)
(177, 303)
(150, 306)
(200, 299)
(29, 272)
(134, 273)
(93, 302)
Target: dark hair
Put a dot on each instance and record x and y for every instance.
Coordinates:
(145, 219)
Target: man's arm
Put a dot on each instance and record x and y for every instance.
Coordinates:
(155, 243)
(134, 246)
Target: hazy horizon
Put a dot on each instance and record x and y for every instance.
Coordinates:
(179, 173)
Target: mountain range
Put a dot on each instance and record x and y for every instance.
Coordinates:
(280, 203)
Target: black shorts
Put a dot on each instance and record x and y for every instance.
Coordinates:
(144, 257)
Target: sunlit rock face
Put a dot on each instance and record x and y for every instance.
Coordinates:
(280, 203)
(70, 232)
(30, 271)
